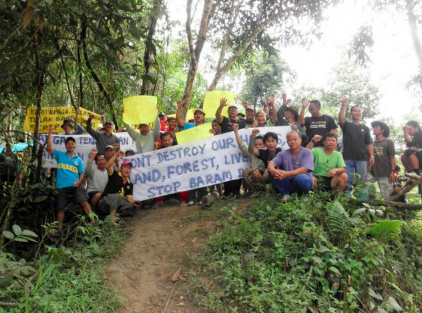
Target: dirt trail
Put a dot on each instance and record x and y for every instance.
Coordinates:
(152, 254)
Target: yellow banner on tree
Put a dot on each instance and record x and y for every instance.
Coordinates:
(194, 133)
(212, 102)
(140, 109)
(54, 117)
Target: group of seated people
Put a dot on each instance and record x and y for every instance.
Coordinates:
(312, 159)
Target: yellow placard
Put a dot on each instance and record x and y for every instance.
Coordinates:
(194, 133)
(54, 117)
(212, 102)
(140, 109)
(189, 115)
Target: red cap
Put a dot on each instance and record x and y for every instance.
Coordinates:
(124, 163)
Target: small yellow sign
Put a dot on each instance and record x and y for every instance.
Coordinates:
(194, 133)
(54, 117)
(189, 115)
(212, 102)
(140, 109)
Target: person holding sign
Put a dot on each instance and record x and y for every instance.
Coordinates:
(70, 175)
(145, 138)
(67, 127)
(118, 193)
(105, 138)
(291, 170)
(198, 115)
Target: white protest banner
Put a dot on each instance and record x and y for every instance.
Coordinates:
(84, 145)
(193, 165)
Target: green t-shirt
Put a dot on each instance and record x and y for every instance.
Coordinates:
(323, 162)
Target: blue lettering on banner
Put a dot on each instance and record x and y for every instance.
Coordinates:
(222, 144)
(163, 190)
(151, 176)
(124, 141)
(141, 160)
(210, 179)
(232, 158)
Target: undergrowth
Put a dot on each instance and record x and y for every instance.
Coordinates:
(312, 255)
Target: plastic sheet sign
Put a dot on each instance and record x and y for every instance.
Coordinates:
(212, 102)
(140, 109)
(194, 133)
(54, 117)
(196, 164)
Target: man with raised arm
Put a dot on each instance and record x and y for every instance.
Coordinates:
(198, 115)
(97, 177)
(329, 167)
(118, 193)
(68, 126)
(250, 114)
(105, 138)
(291, 170)
(270, 110)
(318, 123)
(358, 150)
(70, 175)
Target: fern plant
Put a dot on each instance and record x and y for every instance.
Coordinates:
(337, 220)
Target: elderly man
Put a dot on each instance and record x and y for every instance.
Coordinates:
(105, 138)
(67, 127)
(291, 170)
(198, 115)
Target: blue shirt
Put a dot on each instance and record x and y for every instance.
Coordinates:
(68, 169)
(284, 160)
(189, 125)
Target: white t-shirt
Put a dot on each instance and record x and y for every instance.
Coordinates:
(97, 180)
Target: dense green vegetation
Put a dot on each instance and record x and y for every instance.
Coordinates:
(313, 255)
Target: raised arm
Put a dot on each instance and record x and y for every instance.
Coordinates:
(179, 120)
(273, 116)
(305, 104)
(89, 129)
(314, 141)
(342, 114)
(91, 159)
(251, 146)
(110, 162)
(265, 106)
(156, 130)
(131, 131)
(50, 141)
(218, 115)
(236, 134)
(407, 137)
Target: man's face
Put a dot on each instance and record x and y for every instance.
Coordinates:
(144, 129)
(261, 118)
(259, 143)
(356, 113)
(167, 141)
(109, 153)
(125, 170)
(108, 128)
(314, 109)
(67, 129)
(199, 117)
(412, 130)
(377, 130)
(101, 162)
(232, 113)
(288, 115)
(330, 143)
(294, 141)
(172, 124)
(216, 127)
(70, 146)
(271, 144)
(250, 114)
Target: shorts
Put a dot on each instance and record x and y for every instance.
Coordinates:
(91, 194)
(324, 182)
(114, 201)
(69, 195)
(409, 152)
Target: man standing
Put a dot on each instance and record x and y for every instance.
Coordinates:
(97, 177)
(231, 188)
(70, 174)
(8, 165)
(105, 138)
(145, 138)
(118, 194)
(318, 123)
(383, 171)
(357, 144)
(198, 115)
(329, 166)
(291, 170)
(68, 126)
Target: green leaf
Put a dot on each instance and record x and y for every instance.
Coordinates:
(29, 233)
(17, 230)
(359, 211)
(8, 234)
(334, 270)
(40, 199)
(20, 239)
(394, 304)
(375, 295)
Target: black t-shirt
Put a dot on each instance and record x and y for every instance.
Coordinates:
(115, 185)
(226, 124)
(318, 126)
(264, 155)
(248, 122)
(356, 138)
(416, 140)
(383, 151)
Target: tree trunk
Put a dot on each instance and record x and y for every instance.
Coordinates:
(80, 94)
(413, 24)
(248, 41)
(149, 45)
(94, 74)
(195, 52)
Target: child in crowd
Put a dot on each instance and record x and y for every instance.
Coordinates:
(266, 155)
(168, 141)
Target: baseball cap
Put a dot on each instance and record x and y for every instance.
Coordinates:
(124, 163)
(108, 122)
(199, 110)
(250, 108)
(129, 151)
(67, 122)
(109, 147)
(233, 106)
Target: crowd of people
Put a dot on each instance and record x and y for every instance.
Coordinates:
(315, 158)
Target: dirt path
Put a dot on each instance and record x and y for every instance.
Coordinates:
(156, 248)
